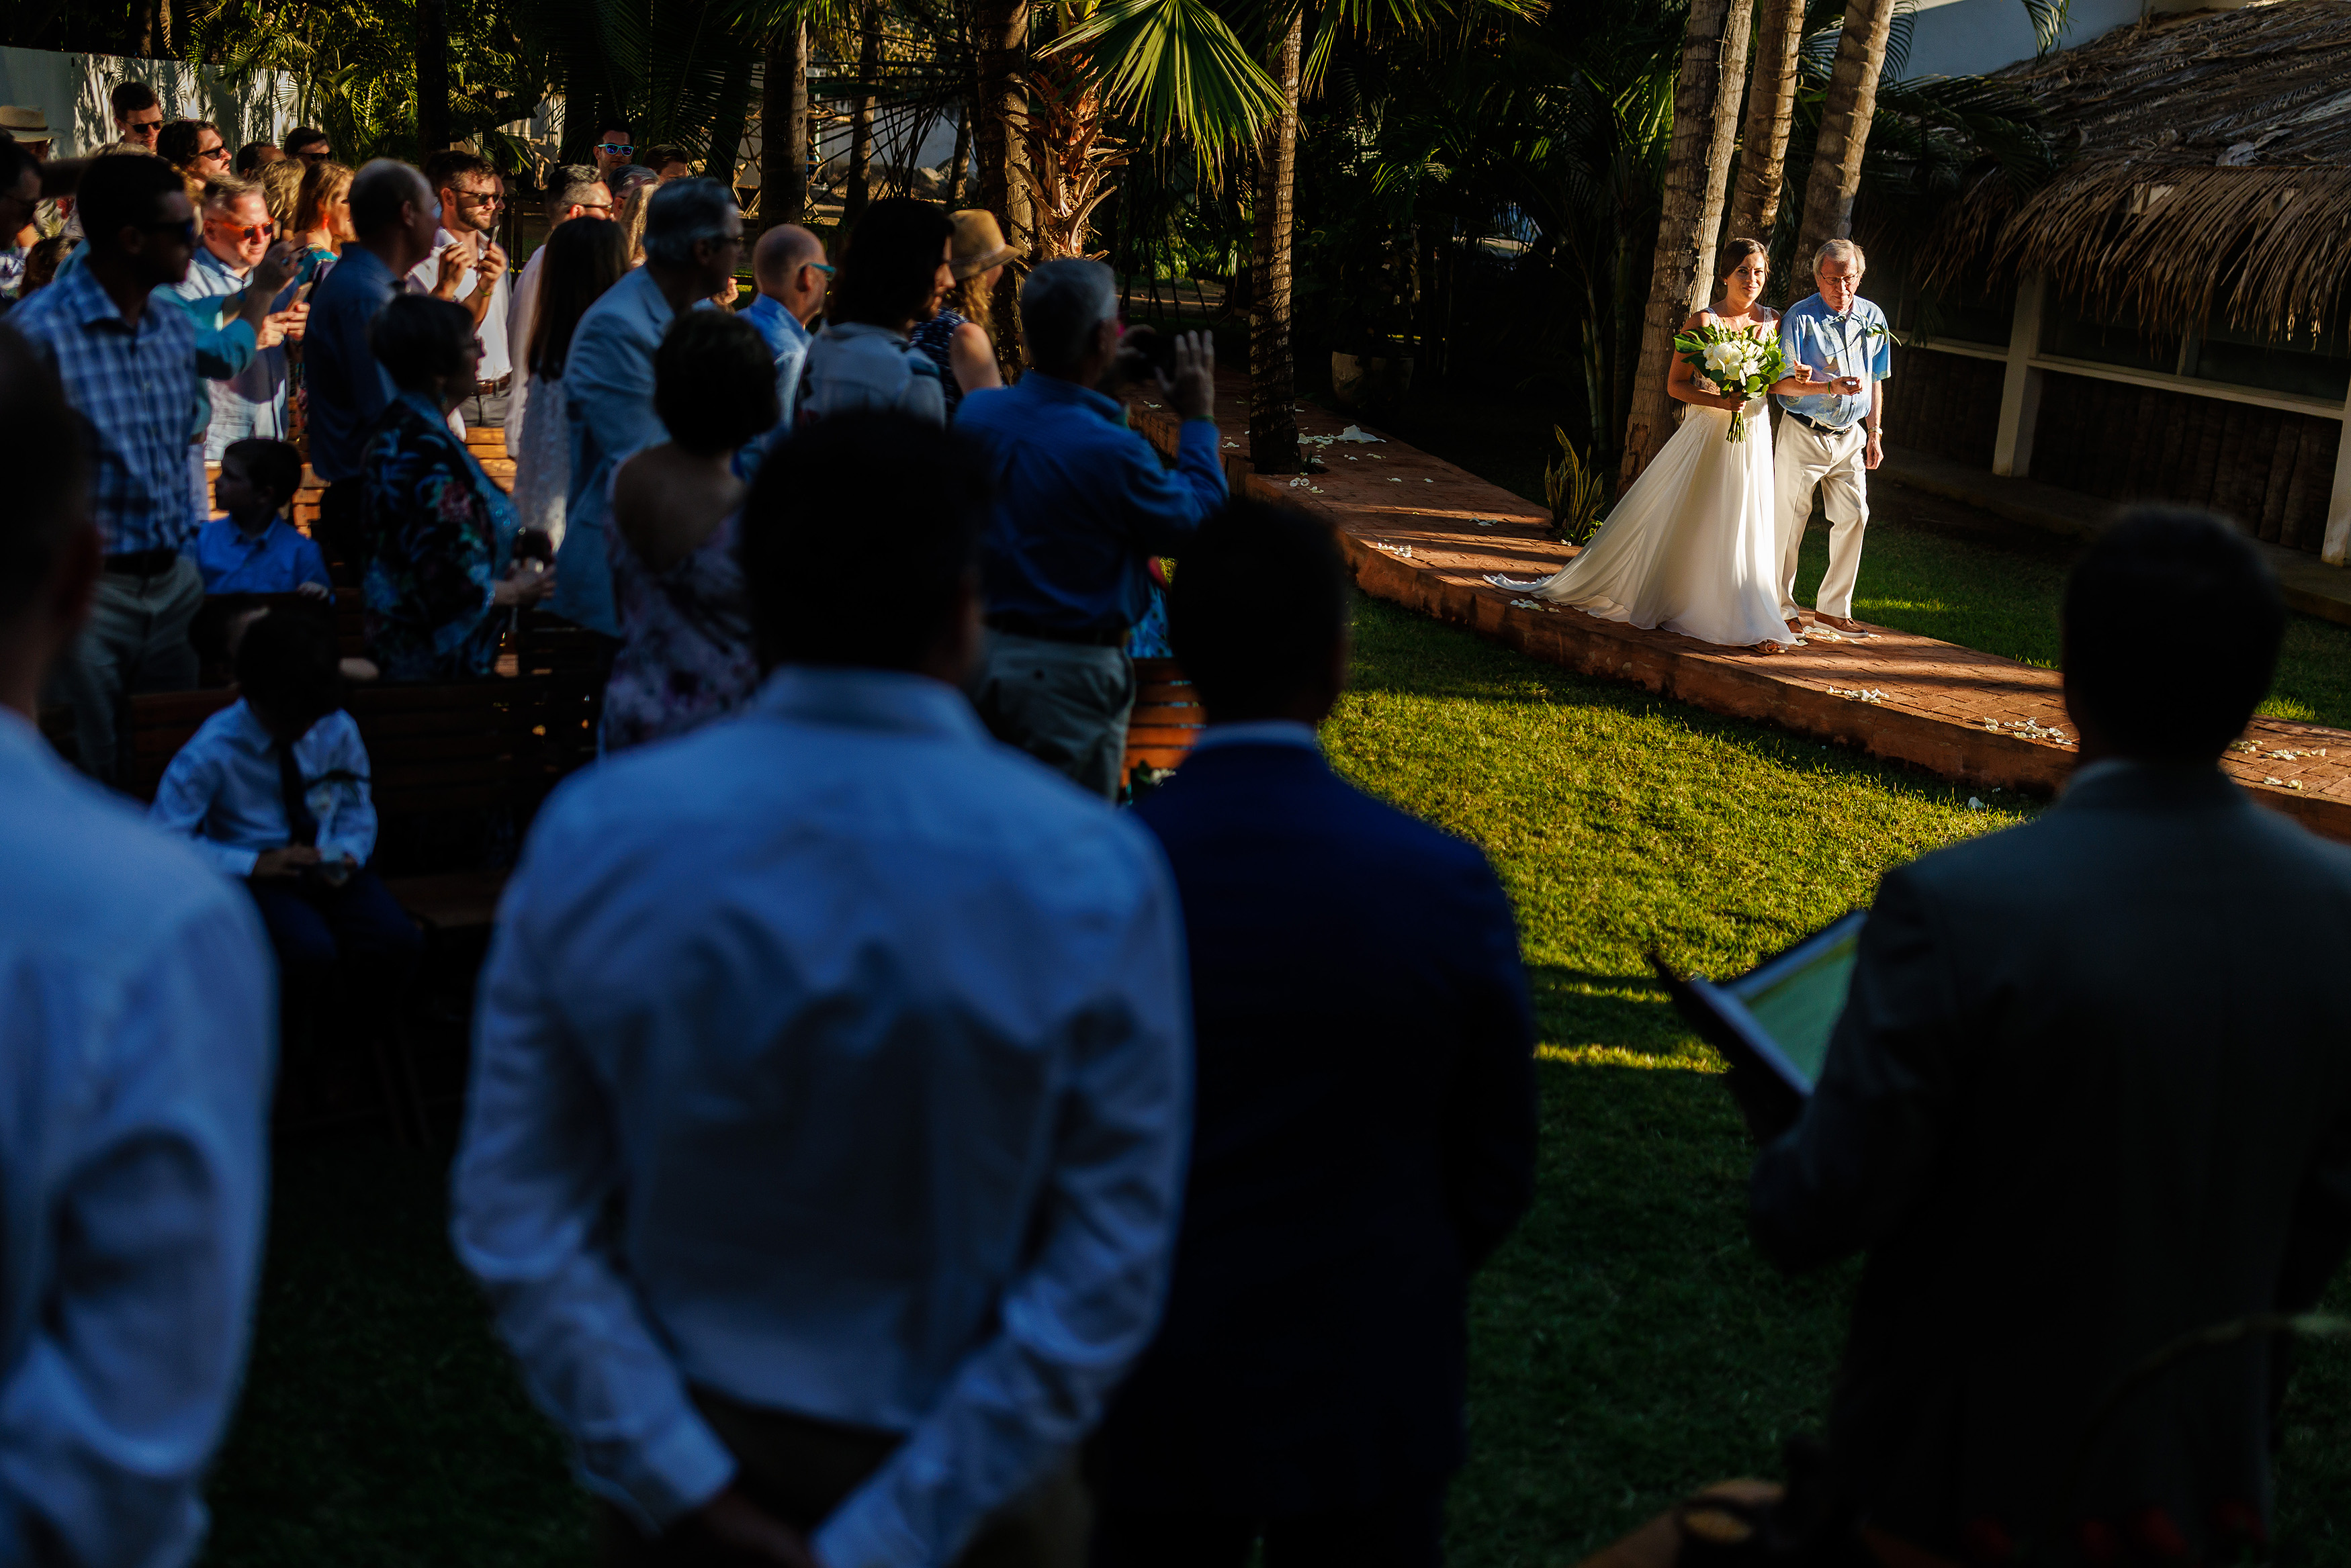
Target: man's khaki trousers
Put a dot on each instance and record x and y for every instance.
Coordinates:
(1806, 459)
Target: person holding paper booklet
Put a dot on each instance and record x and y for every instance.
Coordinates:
(1693, 546)
(2090, 1095)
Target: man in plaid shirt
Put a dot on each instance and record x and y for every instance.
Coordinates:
(129, 364)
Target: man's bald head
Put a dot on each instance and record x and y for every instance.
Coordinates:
(782, 250)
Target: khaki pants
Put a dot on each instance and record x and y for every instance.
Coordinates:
(1065, 703)
(136, 640)
(801, 1469)
(1806, 459)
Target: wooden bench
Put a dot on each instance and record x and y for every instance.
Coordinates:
(1166, 721)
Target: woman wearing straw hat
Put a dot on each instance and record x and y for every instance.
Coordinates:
(956, 339)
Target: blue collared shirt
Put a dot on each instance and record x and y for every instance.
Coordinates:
(254, 400)
(347, 388)
(138, 1033)
(222, 789)
(1082, 501)
(608, 390)
(788, 341)
(1857, 343)
(834, 1058)
(136, 386)
(1261, 733)
(277, 560)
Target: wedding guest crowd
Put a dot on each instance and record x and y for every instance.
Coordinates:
(1131, 1180)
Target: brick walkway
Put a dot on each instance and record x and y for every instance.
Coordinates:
(1423, 534)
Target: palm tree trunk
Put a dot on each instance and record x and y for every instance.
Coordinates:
(1274, 362)
(1844, 127)
(1697, 170)
(431, 77)
(732, 109)
(1001, 111)
(783, 129)
(962, 157)
(860, 116)
(1770, 113)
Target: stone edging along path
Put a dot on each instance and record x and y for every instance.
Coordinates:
(1423, 534)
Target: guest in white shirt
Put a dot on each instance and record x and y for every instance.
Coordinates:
(137, 1046)
(466, 266)
(274, 790)
(830, 1083)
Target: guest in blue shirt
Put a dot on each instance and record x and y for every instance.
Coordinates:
(1081, 504)
(395, 216)
(1828, 440)
(789, 268)
(693, 241)
(274, 789)
(137, 1048)
(228, 272)
(1363, 1124)
(830, 1086)
(254, 550)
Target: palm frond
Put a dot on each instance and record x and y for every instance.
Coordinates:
(1172, 67)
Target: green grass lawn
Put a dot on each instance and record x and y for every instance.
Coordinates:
(1627, 1344)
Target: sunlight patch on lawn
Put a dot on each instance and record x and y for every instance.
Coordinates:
(1695, 1060)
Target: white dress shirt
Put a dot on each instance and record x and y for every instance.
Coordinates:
(137, 1040)
(496, 359)
(836, 1059)
(222, 789)
(522, 314)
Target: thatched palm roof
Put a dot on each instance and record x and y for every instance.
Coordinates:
(2204, 164)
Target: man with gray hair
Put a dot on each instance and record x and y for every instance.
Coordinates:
(1081, 504)
(693, 241)
(576, 192)
(1829, 439)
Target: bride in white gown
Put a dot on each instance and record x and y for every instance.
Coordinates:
(1693, 546)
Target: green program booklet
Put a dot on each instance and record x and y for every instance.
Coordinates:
(1773, 1023)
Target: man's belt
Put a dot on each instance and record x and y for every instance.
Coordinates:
(141, 563)
(1020, 625)
(1816, 424)
(492, 388)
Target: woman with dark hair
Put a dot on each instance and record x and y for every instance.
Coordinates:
(442, 534)
(957, 336)
(892, 276)
(685, 654)
(585, 256)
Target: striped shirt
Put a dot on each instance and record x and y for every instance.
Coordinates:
(136, 387)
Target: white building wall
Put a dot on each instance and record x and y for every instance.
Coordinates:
(71, 91)
(1975, 38)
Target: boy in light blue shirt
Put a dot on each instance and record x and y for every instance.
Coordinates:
(274, 789)
(254, 550)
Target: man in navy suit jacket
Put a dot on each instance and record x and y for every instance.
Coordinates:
(1364, 1128)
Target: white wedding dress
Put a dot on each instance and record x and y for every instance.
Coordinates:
(1693, 546)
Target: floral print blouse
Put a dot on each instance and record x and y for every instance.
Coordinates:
(441, 534)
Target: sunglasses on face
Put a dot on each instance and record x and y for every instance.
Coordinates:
(142, 128)
(480, 198)
(220, 152)
(247, 231)
(825, 267)
(622, 148)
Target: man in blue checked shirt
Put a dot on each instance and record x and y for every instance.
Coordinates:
(1829, 439)
(128, 359)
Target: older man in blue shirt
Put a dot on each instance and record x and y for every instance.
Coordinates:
(1829, 439)
(789, 266)
(694, 240)
(1082, 503)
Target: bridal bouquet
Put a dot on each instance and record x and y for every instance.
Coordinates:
(1729, 360)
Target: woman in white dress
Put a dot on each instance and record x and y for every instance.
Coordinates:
(1693, 546)
(585, 256)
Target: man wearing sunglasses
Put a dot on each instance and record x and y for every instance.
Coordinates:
(468, 269)
(616, 145)
(789, 268)
(226, 273)
(138, 117)
(128, 360)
